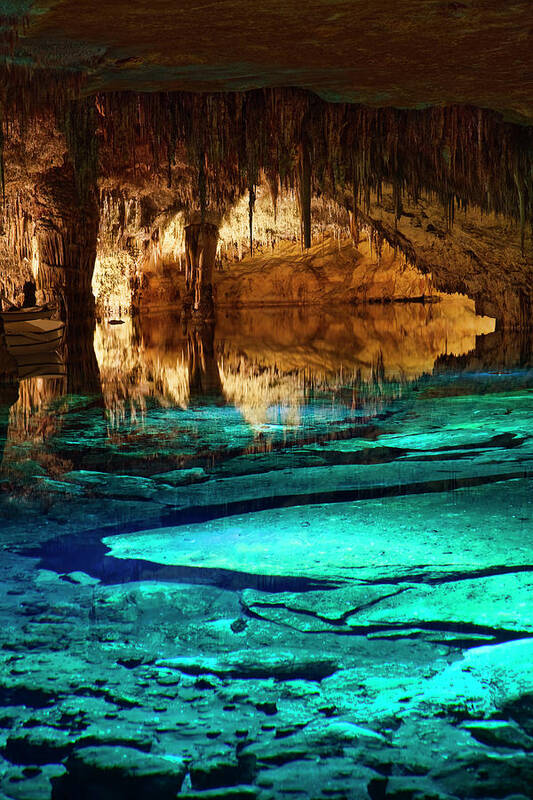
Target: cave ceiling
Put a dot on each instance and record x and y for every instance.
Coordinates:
(407, 53)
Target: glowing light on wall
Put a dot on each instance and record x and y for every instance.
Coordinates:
(34, 258)
(112, 284)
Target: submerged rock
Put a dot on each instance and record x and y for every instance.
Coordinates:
(331, 540)
(107, 484)
(257, 664)
(181, 477)
(173, 601)
(39, 745)
(81, 578)
(486, 775)
(28, 783)
(520, 709)
(222, 771)
(499, 733)
(305, 776)
(240, 792)
(488, 680)
(121, 773)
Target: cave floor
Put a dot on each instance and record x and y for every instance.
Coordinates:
(326, 595)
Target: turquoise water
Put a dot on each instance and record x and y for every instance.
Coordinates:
(288, 554)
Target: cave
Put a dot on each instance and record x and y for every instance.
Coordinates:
(266, 400)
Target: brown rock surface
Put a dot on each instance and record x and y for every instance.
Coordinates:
(405, 53)
(329, 273)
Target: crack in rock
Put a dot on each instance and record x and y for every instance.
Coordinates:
(339, 621)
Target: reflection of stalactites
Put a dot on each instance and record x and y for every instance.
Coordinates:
(38, 412)
(133, 366)
(204, 376)
(9, 393)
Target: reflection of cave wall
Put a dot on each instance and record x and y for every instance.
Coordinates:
(407, 338)
(499, 351)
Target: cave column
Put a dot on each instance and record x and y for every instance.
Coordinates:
(201, 241)
(66, 227)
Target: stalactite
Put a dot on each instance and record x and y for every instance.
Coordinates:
(202, 192)
(466, 152)
(212, 148)
(29, 92)
(522, 209)
(272, 180)
(304, 180)
(2, 172)
(251, 204)
(457, 151)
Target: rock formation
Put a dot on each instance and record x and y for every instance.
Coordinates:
(66, 228)
(450, 189)
(201, 240)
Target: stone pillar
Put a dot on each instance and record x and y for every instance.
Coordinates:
(66, 229)
(201, 239)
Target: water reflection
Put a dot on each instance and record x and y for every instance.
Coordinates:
(153, 392)
(263, 360)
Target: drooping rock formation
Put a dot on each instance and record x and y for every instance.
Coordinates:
(172, 154)
(481, 255)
